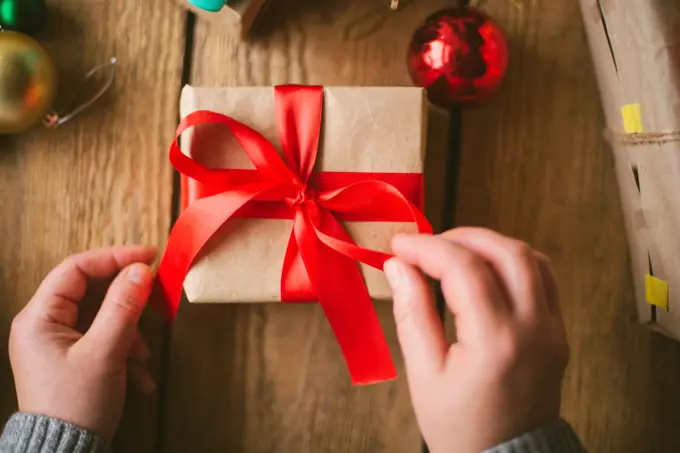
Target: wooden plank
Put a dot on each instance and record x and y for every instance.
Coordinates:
(103, 178)
(271, 378)
(534, 165)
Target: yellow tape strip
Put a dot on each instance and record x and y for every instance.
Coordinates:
(656, 292)
(632, 118)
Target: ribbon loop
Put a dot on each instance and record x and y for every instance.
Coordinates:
(320, 260)
(298, 117)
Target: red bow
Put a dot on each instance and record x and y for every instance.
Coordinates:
(320, 259)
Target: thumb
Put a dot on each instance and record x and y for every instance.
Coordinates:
(114, 329)
(420, 331)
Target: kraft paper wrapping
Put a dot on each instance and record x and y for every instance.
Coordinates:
(363, 130)
(636, 50)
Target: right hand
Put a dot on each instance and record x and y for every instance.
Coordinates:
(503, 376)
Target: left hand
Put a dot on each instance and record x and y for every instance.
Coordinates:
(66, 368)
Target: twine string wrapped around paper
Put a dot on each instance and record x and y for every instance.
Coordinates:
(643, 138)
(320, 261)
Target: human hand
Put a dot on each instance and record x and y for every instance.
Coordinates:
(503, 376)
(65, 368)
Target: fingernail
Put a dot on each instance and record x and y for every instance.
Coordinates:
(137, 274)
(394, 272)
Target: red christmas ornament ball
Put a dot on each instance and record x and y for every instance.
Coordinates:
(460, 55)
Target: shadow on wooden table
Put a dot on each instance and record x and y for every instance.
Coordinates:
(664, 352)
(368, 17)
(60, 37)
(665, 397)
(269, 378)
(205, 345)
(280, 13)
(8, 146)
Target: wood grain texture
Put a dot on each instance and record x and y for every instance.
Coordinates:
(103, 178)
(534, 165)
(253, 378)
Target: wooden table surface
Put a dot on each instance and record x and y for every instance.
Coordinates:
(259, 379)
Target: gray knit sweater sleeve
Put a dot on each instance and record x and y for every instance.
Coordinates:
(556, 437)
(29, 433)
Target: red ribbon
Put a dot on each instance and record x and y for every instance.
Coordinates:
(320, 261)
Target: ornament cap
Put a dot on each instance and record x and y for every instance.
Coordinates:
(209, 5)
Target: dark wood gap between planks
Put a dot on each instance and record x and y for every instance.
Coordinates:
(189, 25)
(451, 194)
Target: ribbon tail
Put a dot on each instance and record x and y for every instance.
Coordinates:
(333, 235)
(375, 197)
(365, 196)
(295, 283)
(351, 250)
(336, 238)
(345, 300)
(195, 226)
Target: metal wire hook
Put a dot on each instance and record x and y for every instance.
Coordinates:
(53, 119)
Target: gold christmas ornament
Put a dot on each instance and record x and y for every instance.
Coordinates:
(28, 85)
(28, 82)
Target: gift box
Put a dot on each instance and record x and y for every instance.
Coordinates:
(367, 130)
(635, 47)
(285, 189)
(239, 14)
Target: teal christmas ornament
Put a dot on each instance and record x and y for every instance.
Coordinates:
(209, 5)
(24, 16)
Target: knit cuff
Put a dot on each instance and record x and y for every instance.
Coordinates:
(31, 433)
(556, 437)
